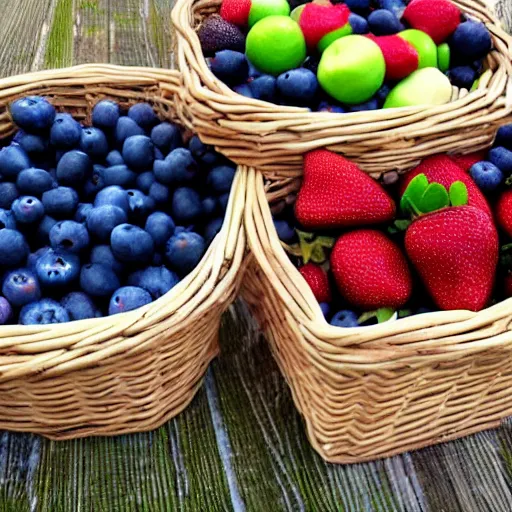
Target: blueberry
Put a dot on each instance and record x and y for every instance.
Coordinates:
(103, 255)
(57, 269)
(166, 137)
(212, 229)
(253, 71)
(7, 219)
(138, 152)
(144, 181)
(243, 90)
(487, 176)
(79, 306)
(372, 104)
(8, 193)
(156, 280)
(44, 228)
(462, 76)
(69, 235)
(34, 181)
(5, 311)
(186, 205)
(344, 318)
(220, 179)
(21, 287)
(34, 114)
(132, 244)
(158, 155)
(143, 115)
(114, 196)
(471, 41)
(209, 205)
(264, 88)
(383, 22)
(105, 114)
(140, 205)
(13, 248)
(229, 66)
(94, 142)
(326, 309)
(82, 212)
(159, 193)
(73, 167)
(33, 258)
(285, 231)
(27, 209)
(128, 298)
(13, 160)
(98, 280)
(358, 5)
(117, 175)
(114, 158)
(65, 132)
(178, 167)
(125, 128)
(200, 151)
(43, 312)
(382, 94)
(184, 251)
(33, 144)
(103, 219)
(161, 227)
(60, 202)
(335, 109)
(502, 158)
(359, 24)
(503, 138)
(298, 86)
(223, 201)
(397, 7)
(312, 62)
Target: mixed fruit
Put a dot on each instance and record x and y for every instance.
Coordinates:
(348, 56)
(436, 238)
(101, 219)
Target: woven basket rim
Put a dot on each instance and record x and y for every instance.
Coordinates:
(204, 284)
(378, 342)
(215, 90)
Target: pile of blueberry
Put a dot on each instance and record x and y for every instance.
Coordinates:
(101, 219)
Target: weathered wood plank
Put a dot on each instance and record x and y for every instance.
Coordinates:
(91, 31)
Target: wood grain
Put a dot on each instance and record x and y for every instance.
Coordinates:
(241, 444)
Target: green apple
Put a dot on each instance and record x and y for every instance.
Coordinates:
(425, 46)
(443, 57)
(275, 45)
(262, 8)
(352, 69)
(297, 12)
(329, 38)
(427, 86)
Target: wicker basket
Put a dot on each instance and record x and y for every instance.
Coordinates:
(372, 392)
(129, 372)
(266, 136)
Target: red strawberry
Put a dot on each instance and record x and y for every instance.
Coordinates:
(465, 162)
(455, 251)
(316, 21)
(317, 280)
(370, 270)
(504, 212)
(441, 169)
(236, 11)
(438, 18)
(335, 193)
(401, 57)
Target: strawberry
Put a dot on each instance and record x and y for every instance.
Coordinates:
(455, 251)
(318, 281)
(370, 270)
(441, 169)
(504, 212)
(335, 193)
(465, 162)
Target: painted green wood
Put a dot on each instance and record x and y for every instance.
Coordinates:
(241, 445)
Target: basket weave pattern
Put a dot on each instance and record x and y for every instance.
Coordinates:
(373, 392)
(128, 372)
(274, 138)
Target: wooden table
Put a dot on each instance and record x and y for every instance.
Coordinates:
(241, 444)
